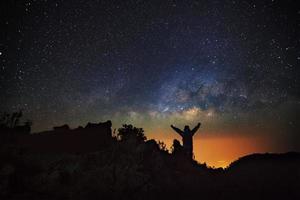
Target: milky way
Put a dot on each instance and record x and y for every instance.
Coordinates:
(153, 63)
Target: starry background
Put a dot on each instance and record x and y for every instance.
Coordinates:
(233, 65)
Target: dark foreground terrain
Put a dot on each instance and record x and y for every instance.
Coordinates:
(88, 163)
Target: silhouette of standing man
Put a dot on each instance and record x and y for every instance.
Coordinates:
(187, 138)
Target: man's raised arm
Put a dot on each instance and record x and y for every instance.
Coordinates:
(196, 128)
(177, 130)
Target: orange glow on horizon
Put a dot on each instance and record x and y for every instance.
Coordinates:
(220, 151)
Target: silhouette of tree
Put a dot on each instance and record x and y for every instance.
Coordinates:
(128, 132)
(162, 146)
(15, 119)
(10, 120)
(11, 123)
(4, 119)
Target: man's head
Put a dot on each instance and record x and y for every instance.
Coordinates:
(186, 128)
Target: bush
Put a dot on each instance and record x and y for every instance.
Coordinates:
(128, 132)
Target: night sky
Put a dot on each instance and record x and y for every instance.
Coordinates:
(232, 65)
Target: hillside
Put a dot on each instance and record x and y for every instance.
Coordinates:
(127, 166)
